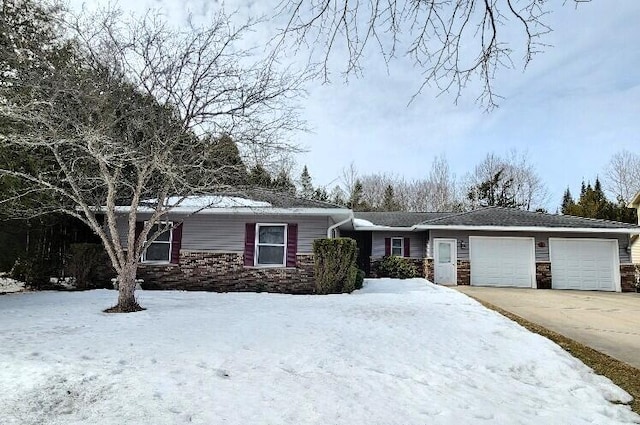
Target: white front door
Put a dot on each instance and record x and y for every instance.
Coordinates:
(445, 259)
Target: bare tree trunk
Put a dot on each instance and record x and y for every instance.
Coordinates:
(127, 302)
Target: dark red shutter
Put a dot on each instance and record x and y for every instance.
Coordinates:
(292, 244)
(407, 247)
(139, 227)
(176, 243)
(387, 247)
(249, 243)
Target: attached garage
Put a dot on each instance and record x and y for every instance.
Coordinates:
(502, 261)
(584, 264)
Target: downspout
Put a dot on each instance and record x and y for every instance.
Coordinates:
(335, 226)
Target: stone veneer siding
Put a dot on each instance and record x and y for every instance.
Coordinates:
(375, 263)
(464, 272)
(543, 275)
(628, 277)
(428, 269)
(225, 272)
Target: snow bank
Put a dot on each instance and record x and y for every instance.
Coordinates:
(396, 352)
(8, 285)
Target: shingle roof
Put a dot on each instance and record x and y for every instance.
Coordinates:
(496, 216)
(280, 199)
(398, 218)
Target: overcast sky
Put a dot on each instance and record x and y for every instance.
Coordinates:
(574, 106)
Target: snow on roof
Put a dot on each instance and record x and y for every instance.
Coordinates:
(212, 201)
(359, 222)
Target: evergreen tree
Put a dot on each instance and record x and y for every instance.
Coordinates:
(283, 183)
(337, 196)
(306, 184)
(356, 201)
(259, 177)
(567, 202)
(389, 202)
(320, 194)
(593, 203)
(496, 191)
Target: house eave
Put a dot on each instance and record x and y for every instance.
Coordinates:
(530, 229)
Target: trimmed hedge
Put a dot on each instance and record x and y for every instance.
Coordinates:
(335, 266)
(397, 268)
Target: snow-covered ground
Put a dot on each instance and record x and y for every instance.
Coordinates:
(396, 352)
(8, 285)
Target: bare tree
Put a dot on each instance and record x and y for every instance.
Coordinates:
(454, 42)
(438, 192)
(516, 177)
(443, 193)
(622, 175)
(119, 126)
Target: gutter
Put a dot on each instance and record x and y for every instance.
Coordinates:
(335, 226)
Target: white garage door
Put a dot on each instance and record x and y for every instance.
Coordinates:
(587, 264)
(497, 261)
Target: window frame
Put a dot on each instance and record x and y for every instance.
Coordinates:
(257, 245)
(169, 242)
(391, 254)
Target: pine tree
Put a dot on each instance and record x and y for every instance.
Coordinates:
(259, 177)
(389, 202)
(306, 184)
(283, 183)
(320, 194)
(567, 203)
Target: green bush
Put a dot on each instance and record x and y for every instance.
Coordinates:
(335, 266)
(397, 268)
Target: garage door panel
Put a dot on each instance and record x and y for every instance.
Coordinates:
(585, 264)
(497, 261)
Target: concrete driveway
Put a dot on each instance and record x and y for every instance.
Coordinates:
(608, 322)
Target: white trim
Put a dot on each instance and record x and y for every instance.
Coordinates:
(454, 257)
(532, 269)
(170, 242)
(387, 228)
(530, 229)
(257, 245)
(616, 258)
(401, 246)
(335, 226)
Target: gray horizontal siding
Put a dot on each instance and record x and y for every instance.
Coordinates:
(417, 248)
(225, 233)
(542, 252)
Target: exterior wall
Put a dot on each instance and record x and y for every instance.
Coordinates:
(628, 276)
(428, 269)
(464, 272)
(543, 275)
(225, 233)
(635, 250)
(225, 272)
(541, 252)
(417, 248)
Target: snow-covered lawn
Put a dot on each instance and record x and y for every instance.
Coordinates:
(396, 352)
